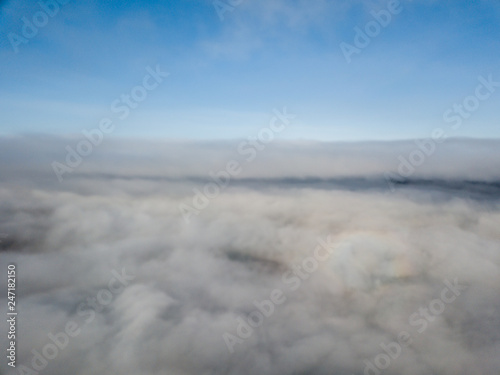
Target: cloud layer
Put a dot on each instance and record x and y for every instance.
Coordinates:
(392, 255)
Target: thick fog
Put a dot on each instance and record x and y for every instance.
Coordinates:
(184, 258)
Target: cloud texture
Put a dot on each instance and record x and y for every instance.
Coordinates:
(392, 254)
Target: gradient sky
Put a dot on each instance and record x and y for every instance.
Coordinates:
(227, 76)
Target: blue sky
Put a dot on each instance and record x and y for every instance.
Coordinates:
(227, 76)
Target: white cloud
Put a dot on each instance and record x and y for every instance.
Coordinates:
(192, 281)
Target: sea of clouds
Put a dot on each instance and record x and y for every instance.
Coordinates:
(312, 260)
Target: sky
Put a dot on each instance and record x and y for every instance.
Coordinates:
(231, 63)
(127, 147)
